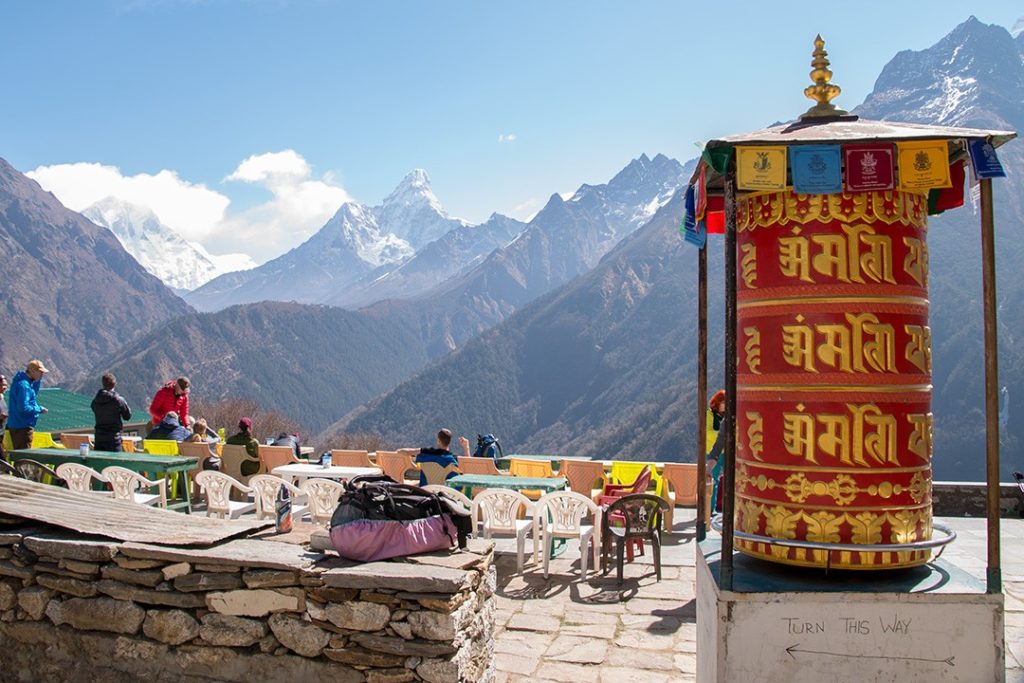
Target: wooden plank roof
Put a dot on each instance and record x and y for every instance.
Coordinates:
(90, 514)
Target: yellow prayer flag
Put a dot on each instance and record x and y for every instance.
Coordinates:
(923, 165)
(761, 168)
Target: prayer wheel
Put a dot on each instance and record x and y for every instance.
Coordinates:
(833, 417)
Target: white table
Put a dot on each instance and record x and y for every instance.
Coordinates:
(299, 473)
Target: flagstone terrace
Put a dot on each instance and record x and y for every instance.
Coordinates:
(564, 629)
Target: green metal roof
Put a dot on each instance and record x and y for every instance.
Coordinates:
(65, 410)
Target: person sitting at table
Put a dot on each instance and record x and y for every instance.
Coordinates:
(244, 437)
(170, 429)
(438, 464)
(111, 410)
(290, 440)
(201, 433)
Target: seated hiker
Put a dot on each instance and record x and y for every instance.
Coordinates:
(244, 437)
(290, 440)
(170, 429)
(437, 464)
(201, 433)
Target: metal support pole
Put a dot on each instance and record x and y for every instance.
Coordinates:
(702, 390)
(729, 422)
(988, 273)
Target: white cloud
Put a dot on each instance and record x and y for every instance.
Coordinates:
(273, 166)
(299, 204)
(507, 137)
(526, 210)
(192, 210)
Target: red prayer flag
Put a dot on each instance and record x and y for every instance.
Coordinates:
(702, 192)
(869, 167)
(714, 217)
(950, 197)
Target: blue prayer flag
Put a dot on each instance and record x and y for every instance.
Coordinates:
(816, 169)
(984, 160)
(692, 233)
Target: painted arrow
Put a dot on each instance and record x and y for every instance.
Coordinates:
(796, 648)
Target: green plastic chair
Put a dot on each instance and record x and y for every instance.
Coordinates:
(625, 473)
(163, 447)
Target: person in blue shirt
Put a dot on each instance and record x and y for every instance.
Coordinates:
(24, 407)
(438, 464)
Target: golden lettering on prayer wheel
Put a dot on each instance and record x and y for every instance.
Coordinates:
(834, 422)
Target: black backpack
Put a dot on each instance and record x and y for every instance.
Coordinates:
(487, 446)
(379, 497)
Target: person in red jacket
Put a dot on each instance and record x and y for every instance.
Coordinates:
(171, 397)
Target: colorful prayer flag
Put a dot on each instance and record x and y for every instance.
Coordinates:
(946, 198)
(984, 159)
(869, 168)
(690, 228)
(923, 165)
(702, 192)
(714, 218)
(761, 168)
(816, 169)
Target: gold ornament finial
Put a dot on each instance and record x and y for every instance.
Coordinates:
(822, 91)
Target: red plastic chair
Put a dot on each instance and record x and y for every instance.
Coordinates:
(613, 492)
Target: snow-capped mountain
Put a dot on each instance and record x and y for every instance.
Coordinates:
(413, 213)
(972, 77)
(454, 253)
(180, 264)
(564, 240)
(357, 240)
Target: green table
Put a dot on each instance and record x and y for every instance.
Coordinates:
(466, 482)
(170, 465)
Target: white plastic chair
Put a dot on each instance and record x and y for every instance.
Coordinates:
(126, 483)
(449, 492)
(217, 487)
(79, 478)
(498, 511)
(264, 491)
(322, 496)
(561, 515)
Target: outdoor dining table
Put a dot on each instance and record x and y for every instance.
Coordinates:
(467, 482)
(298, 473)
(171, 465)
(555, 460)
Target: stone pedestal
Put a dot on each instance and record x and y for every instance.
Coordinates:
(788, 625)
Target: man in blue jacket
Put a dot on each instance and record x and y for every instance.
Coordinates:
(24, 410)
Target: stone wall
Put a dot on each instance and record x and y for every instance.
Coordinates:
(79, 609)
(968, 499)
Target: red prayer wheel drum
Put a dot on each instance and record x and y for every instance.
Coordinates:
(834, 422)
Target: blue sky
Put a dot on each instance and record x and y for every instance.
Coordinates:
(349, 97)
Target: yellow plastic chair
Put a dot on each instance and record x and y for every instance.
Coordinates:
(75, 440)
(531, 468)
(44, 440)
(163, 447)
(8, 444)
(625, 473)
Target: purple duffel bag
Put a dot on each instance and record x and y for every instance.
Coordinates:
(366, 540)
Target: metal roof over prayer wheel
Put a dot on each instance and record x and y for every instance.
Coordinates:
(828, 429)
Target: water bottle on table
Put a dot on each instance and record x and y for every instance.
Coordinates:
(83, 449)
(326, 460)
(283, 509)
